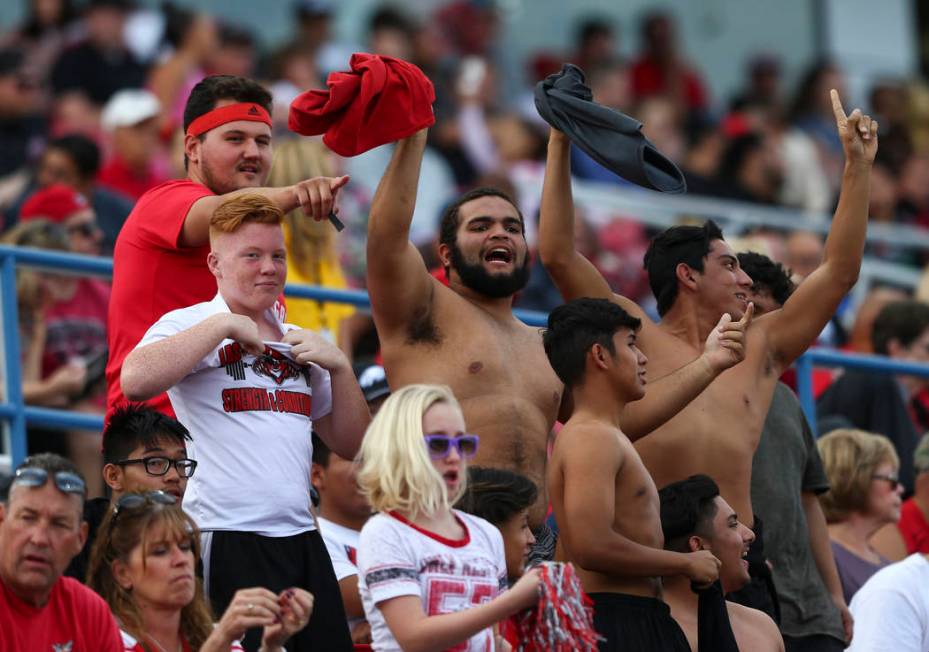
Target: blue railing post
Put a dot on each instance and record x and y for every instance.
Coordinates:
(11, 356)
(804, 367)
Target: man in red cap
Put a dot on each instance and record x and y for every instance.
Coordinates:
(160, 255)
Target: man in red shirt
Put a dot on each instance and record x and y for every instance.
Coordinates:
(41, 529)
(160, 255)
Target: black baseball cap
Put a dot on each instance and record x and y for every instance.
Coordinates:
(373, 381)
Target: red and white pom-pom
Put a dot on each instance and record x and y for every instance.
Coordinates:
(562, 621)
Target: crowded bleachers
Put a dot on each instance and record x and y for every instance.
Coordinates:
(666, 487)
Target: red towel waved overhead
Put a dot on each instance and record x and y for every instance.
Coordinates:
(379, 101)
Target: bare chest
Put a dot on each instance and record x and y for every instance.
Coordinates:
(479, 359)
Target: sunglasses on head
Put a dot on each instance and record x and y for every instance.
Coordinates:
(66, 481)
(136, 500)
(440, 446)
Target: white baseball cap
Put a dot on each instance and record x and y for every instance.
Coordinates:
(129, 107)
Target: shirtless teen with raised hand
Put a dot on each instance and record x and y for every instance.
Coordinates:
(466, 336)
(605, 502)
(695, 276)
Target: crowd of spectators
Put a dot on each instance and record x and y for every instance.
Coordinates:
(94, 99)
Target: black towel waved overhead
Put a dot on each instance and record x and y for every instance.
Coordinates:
(611, 138)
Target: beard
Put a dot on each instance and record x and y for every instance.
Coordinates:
(495, 286)
(220, 187)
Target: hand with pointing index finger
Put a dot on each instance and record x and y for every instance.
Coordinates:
(725, 345)
(858, 132)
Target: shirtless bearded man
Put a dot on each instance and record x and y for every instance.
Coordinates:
(466, 336)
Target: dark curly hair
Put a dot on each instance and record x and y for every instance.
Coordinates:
(767, 275)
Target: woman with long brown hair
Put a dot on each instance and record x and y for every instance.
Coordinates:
(143, 565)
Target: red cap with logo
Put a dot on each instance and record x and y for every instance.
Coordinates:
(56, 203)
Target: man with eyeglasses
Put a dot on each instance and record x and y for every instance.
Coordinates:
(40, 531)
(143, 450)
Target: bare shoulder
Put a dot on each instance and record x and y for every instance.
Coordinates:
(754, 627)
(581, 438)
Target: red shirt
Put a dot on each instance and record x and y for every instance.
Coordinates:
(76, 328)
(648, 79)
(153, 275)
(74, 619)
(118, 176)
(914, 528)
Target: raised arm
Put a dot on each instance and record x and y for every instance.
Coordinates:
(572, 273)
(793, 328)
(316, 196)
(398, 282)
(156, 367)
(589, 466)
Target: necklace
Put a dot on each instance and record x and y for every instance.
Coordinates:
(180, 646)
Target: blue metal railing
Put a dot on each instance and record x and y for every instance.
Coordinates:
(856, 361)
(18, 414)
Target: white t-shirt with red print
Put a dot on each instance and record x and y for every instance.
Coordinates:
(250, 420)
(342, 545)
(397, 558)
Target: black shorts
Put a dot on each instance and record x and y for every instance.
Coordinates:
(632, 622)
(241, 560)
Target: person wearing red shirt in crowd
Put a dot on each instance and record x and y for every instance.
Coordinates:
(159, 263)
(41, 529)
(662, 71)
(75, 324)
(136, 162)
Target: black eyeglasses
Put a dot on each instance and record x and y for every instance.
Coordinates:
(67, 482)
(135, 501)
(158, 465)
(440, 446)
(892, 479)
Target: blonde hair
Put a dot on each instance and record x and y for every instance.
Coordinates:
(244, 209)
(850, 457)
(42, 234)
(396, 471)
(296, 159)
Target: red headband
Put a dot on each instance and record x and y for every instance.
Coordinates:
(231, 113)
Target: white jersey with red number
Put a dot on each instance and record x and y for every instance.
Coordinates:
(250, 420)
(342, 545)
(397, 558)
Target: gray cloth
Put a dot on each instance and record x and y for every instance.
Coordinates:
(612, 139)
(786, 464)
(853, 570)
(544, 547)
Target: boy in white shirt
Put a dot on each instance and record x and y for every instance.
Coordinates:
(251, 389)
